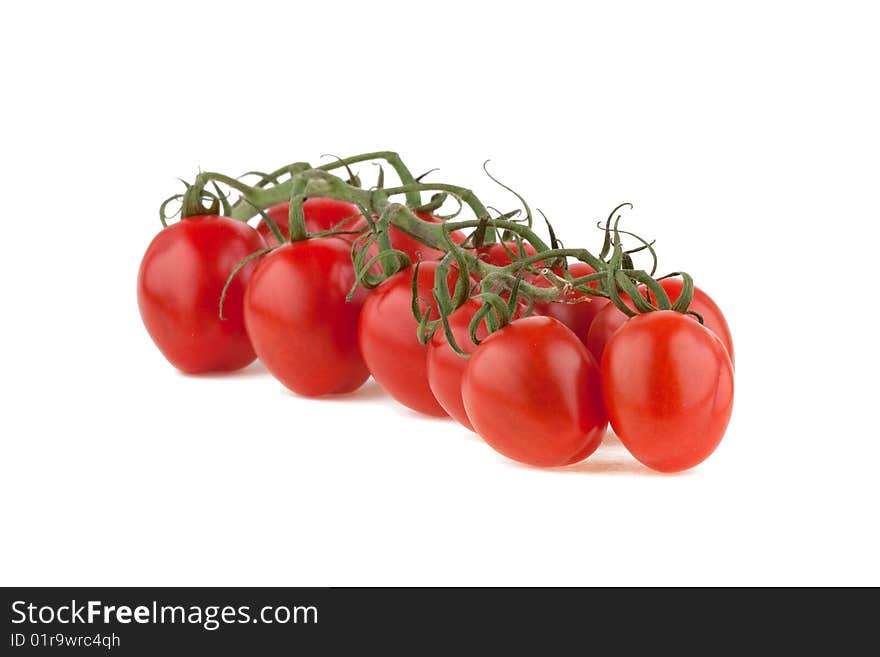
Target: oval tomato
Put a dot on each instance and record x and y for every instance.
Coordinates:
(610, 318)
(388, 341)
(667, 382)
(301, 326)
(576, 316)
(446, 368)
(531, 390)
(179, 284)
(320, 214)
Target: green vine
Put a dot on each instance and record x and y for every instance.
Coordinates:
(501, 288)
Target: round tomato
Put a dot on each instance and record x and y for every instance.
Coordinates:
(320, 214)
(496, 254)
(667, 382)
(446, 368)
(531, 390)
(301, 326)
(388, 340)
(179, 284)
(576, 315)
(610, 318)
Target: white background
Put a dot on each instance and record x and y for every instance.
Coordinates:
(747, 138)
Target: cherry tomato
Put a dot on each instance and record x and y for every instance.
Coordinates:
(320, 214)
(446, 368)
(496, 254)
(667, 382)
(579, 315)
(179, 284)
(388, 341)
(531, 390)
(300, 324)
(610, 318)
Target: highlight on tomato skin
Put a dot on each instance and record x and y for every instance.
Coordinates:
(302, 328)
(667, 382)
(388, 340)
(532, 392)
(180, 280)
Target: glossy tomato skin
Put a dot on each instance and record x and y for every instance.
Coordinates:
(320, 215)
(179, 284)
(667, 382)
(604, 325)
(531, 390)
(388, 341)
(301, 326)
(610, 318)
(496, 254)
(576, 316)
(446, 368)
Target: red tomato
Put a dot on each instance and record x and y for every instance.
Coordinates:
(495, 254)
(531, 390)
(576, 316)
(388, 341)
(667, 382)
(300, 324)
(610, 318)
(446, 368)
(179, 284)
(320, 214)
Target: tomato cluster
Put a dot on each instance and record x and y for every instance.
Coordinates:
(536, 348)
